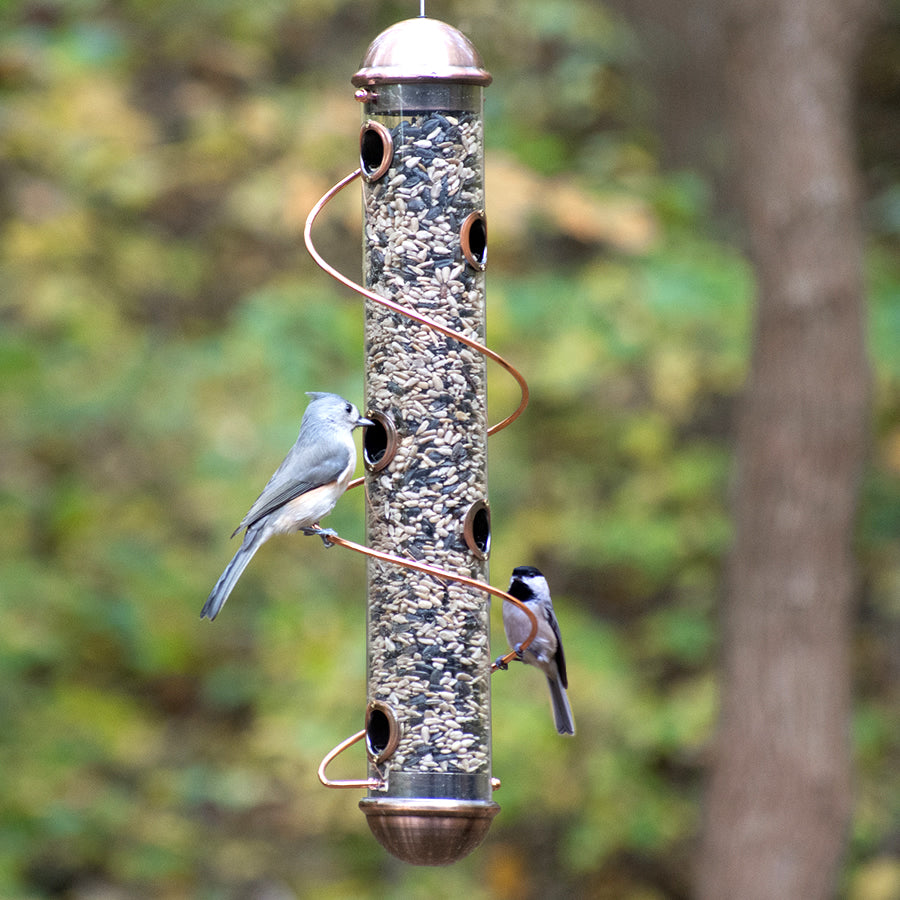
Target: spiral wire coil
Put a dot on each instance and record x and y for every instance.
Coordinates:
(434, 571)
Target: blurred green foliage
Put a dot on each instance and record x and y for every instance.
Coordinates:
(160, 323)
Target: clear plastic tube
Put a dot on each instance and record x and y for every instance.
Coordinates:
(428, 654)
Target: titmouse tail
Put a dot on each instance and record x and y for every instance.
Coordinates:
(562, 712)
(228, 579)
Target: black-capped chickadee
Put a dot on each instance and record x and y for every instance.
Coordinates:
(303, 490)
(546, 651)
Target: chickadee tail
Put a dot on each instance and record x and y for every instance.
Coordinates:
(562, 712)
(228, 579)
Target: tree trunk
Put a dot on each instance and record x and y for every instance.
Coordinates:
(779, 799)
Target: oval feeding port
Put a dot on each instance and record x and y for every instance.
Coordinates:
(379, 442)
(477, 529)
(382, 731)
(473, 240)
(376, 150)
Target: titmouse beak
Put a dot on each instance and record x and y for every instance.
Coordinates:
(363, 421)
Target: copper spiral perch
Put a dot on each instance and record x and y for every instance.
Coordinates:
(448, 332)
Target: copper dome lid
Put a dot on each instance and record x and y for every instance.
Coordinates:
(421, 49)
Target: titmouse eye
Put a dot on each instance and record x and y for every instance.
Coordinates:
(348, 408)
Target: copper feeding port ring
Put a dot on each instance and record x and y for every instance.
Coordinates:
(382, 731)
(473, 240)
(376, 150)
(380, 441)
(477, 529)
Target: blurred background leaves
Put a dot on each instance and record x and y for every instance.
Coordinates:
(159, 323)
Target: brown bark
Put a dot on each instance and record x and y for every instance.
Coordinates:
(779, 797)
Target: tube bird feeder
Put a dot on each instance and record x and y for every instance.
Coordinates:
(428, 717)
(428, 526)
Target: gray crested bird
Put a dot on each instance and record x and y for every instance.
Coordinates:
(303, 490)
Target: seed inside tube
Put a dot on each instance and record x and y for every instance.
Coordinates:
(436, 388)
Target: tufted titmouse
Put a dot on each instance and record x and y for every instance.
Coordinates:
(303, 490)
(546, 650)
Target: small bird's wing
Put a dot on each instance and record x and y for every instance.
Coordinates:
(560, 657)
(308, 465)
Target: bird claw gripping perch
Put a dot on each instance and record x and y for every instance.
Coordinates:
(325, 533)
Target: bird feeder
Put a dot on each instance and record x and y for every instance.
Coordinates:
(428, 720)
(428, 526)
